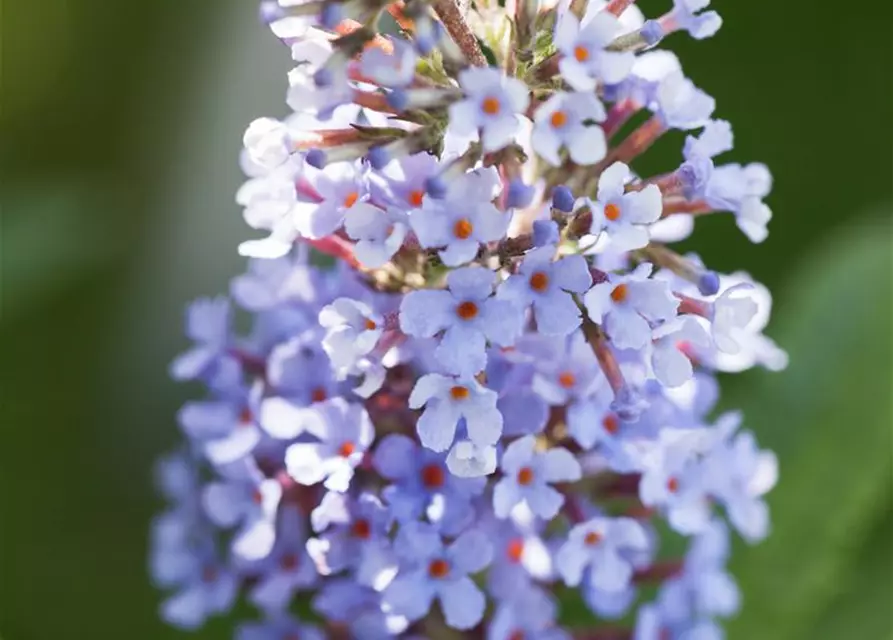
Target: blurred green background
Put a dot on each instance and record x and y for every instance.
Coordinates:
(121, 126)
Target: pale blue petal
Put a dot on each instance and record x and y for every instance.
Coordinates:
(471, 283)
(556, 314)
(395, 457)
(471, 552)
(544, 501)
(459, 252)
(463, 603)
(424, 313)
(462, 350)
(437, 426)
(560, 465)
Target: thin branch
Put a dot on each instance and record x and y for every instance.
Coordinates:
(453, 19)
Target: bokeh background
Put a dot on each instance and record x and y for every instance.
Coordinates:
(120, 132)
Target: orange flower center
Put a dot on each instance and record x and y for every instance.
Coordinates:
(257, 497)
(209, 574)
(415, 197)
(592, 538)
(581, 53)
(433, 476)
(370, 325)
(318, 395)
(516, 635)
(351, 199)
(525, 476)
(567, 379)
(463, 228)
(673, 485)
(467, 310)
(459, 393)
(539, 281)
(620, 292)
(438, 568)
(515, 550)
(558, 119)
(361, 529)
(612, 212)
(346, 449)
(490, 106)
(245, 417)
(611, 423)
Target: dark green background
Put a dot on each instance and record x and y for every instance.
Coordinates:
(121, 126)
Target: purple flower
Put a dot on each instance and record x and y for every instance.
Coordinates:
(624, 217)
(390, 69)
(603, 549)
(671, 366)
(422, 485)
(568, 120)
(467, 314)
(355, 537)
(549, 286)
(531, 615)
(353, 331)
(344, 431)
(208, 589)
(680, 104)
(344, 601)
(689, 16)
(447, 401)
(226, 430)
(341, 186)
(584, 58)
(493, 103)
(461, 221)
(208, 325)
(429, 569)
(245, 497)
(527, 476)
(288, 568)
(379, 233)
(279, 627)
(626, 304)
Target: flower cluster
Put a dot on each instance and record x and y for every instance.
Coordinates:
(476, 375)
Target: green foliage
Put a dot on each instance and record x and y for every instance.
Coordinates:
(828, 418)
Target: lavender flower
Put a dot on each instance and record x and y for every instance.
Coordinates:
(442, 426)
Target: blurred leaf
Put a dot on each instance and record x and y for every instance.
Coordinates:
(50, 240)
(828, 419)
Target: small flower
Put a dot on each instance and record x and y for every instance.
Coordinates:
(530, 616)
(528, 474)
(585, 60)
(672, 366)
(345, 432)
(390, 69)
(279, 626)
(462, 221)
(626, 305)
(340, 187)
(604, 549)
(208, 589)
(355, 537)
(493, 103)
(680, 104)
(379, 234)
(432, 570)
(359, 608)
(353, 330)
(226, 430)
(731, 314)
(245, 497)
(424, 486)
(287, 569)
(569, 120)
(549, 286)
(740, 474)
(688, 15)
(267, 142)
(448, 400)
(208, 325)
(625, 217)
(467, 314)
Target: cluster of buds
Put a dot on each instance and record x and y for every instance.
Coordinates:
(477, 377)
